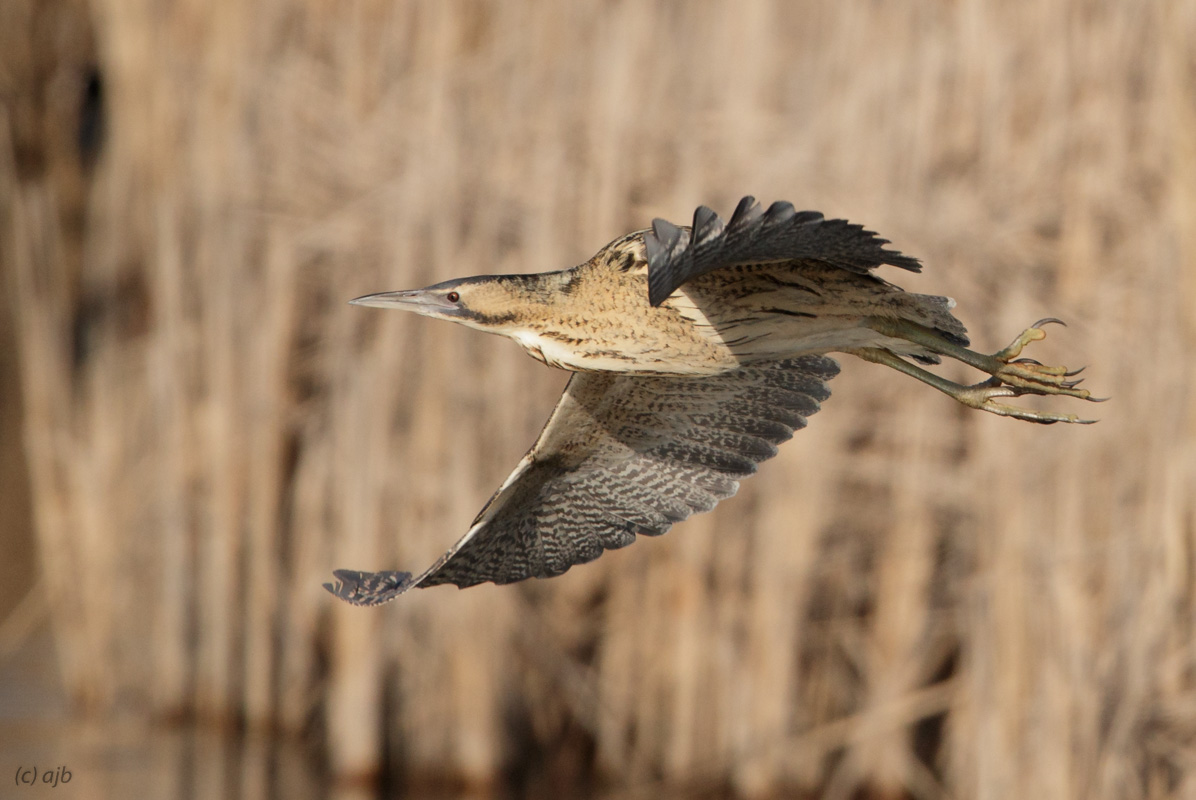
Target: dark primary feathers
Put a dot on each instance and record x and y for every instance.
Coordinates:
(676, 255)
(672, 403)
(620, 456)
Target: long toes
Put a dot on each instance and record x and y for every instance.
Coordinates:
(1041, 417)
(985, 396)
(1031, 374)
(1019, 375)
(1036, 369)
(1040, 380)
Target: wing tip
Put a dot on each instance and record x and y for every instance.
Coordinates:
(820, 365)
(369, 588)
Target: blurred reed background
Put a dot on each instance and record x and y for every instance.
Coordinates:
(912, 600)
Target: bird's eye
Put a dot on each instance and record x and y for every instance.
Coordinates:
(453, 297)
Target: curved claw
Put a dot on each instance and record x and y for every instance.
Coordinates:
(1033, 361)
(1071, 384)
(1075, 372)
(1098, 399)
(1047, 321)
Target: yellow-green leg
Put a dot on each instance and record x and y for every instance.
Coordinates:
(1011, 376)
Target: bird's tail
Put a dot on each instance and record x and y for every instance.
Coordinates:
(934, 312)
(930, 311)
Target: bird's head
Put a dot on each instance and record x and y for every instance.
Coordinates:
(490, 302)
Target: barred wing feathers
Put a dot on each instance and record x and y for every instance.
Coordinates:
(755, 236)
(620, 456)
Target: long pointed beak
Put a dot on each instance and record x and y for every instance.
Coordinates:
(421, 301)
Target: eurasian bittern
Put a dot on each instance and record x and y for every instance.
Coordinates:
(696, 351)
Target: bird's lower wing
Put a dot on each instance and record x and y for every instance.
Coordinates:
(620, 456)
(754, 236)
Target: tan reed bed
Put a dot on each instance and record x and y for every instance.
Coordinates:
(911, 600)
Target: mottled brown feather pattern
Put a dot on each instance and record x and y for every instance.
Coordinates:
(674, 403)
(620, 456)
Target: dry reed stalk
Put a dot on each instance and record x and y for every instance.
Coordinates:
(910, 601)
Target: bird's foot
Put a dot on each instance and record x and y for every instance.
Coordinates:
(984, 397)
(1012, 375)
(1030, 376)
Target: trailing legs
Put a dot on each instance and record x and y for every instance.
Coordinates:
(1012, 376)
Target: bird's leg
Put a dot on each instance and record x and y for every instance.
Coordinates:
(981, 395)
(1023, 373)
(1011, 376)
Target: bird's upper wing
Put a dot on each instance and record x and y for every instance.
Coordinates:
(754, 236)
(620, 456)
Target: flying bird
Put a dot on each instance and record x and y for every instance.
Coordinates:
(695, 352)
